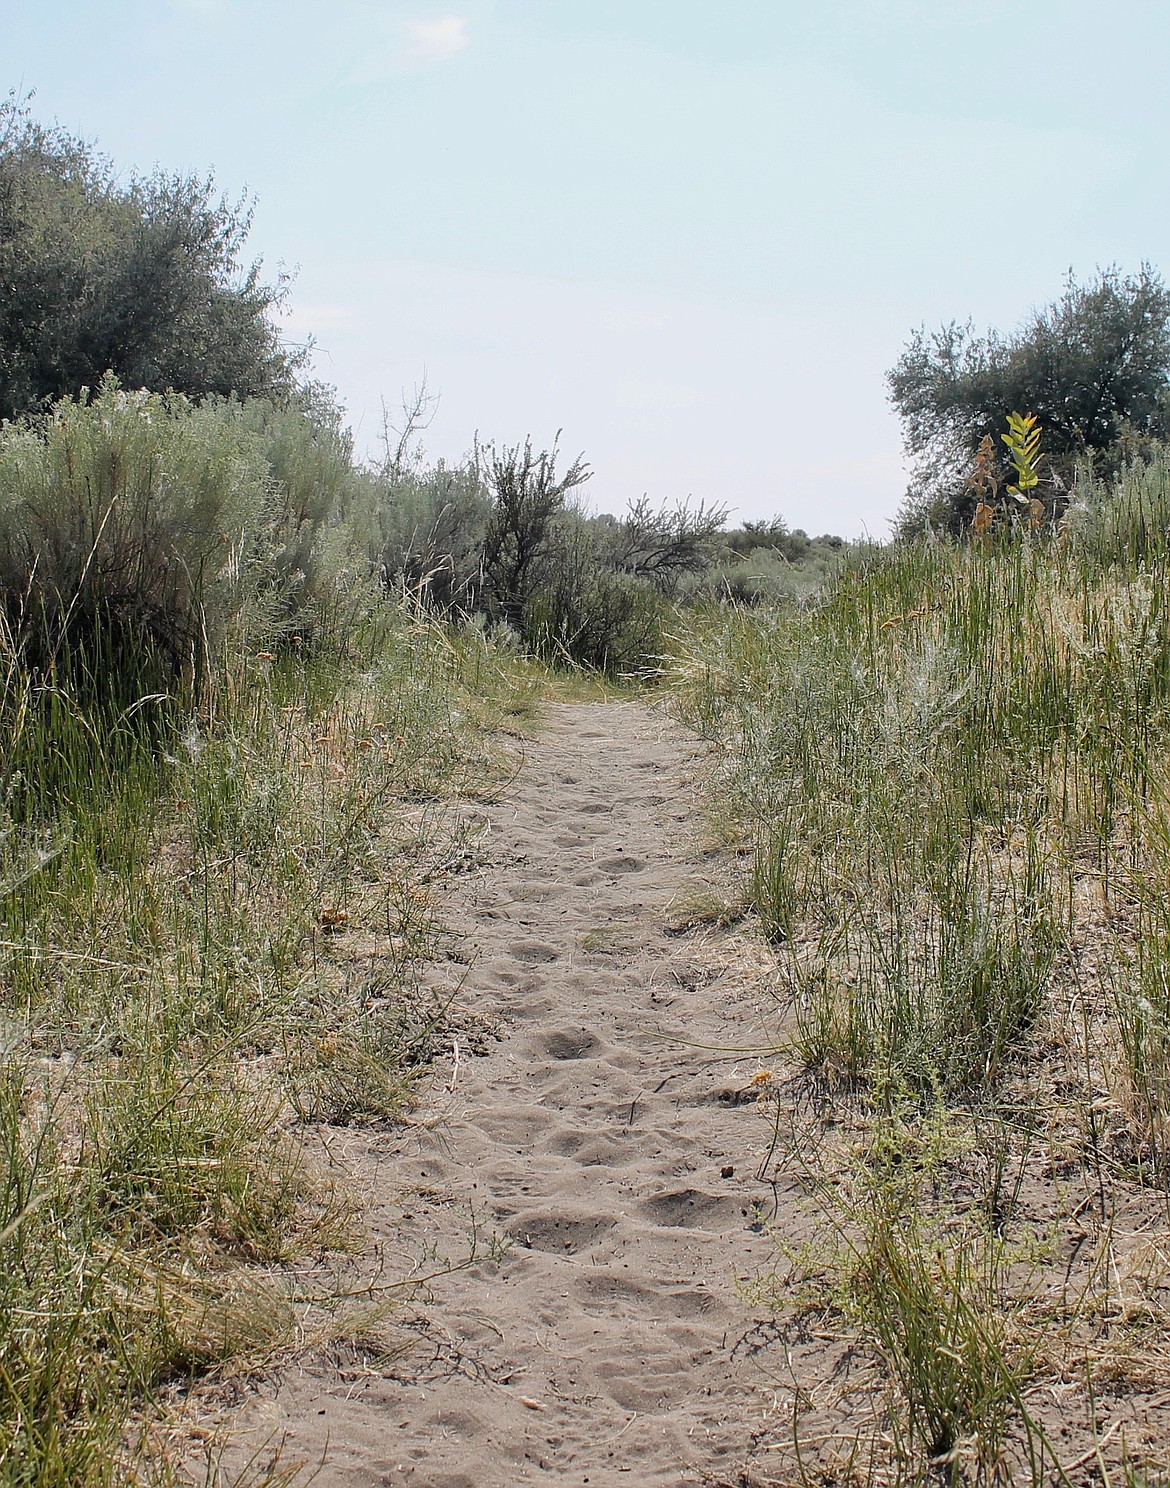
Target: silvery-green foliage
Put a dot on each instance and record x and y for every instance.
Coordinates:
(425, 531)
(130, 522)
(313, 566)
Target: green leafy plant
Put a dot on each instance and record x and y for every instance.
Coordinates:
(1023, 446)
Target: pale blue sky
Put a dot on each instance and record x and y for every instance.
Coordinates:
(693, 235)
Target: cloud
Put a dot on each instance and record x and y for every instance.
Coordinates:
(437, 41)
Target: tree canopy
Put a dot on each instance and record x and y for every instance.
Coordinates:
(138, 275)
(1094, 367)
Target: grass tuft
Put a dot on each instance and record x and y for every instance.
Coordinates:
(949, 772)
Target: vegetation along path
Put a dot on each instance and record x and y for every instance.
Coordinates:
(596, 1143)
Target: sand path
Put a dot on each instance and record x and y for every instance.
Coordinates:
(608, 1170)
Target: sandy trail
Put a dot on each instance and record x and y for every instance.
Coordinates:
(609, 1172)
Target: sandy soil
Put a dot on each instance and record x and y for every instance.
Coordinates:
(604, 1160)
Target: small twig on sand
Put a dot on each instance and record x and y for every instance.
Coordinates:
(454, 1066)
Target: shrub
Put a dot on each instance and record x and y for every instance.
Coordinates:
(312, 572)
(1123, 522)
(130, 527)
(589, 614)
(426, 534)
(526, 496)
(765, 576)
(664, 545)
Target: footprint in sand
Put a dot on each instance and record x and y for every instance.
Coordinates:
(607, 1288)
(533, 952)
(559, 1232)
(566, 1044)
(600, 1152)
(687, 1208)
(688, 1303)
(590, 1147)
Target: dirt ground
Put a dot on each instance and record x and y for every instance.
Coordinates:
(593, 1137)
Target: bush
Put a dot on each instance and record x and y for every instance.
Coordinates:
(313, 572)
(130, 527)
(587, 613)
(138, 533)
(765, 576)
(527, 497)
(427, 532)
(666, 545)
(1126, 521)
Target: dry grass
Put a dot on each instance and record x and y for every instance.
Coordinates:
(221, 947)
(950, 775)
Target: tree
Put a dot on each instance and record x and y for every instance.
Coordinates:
(526, 496)
(773, 534)
(142, 277)
(1094, 369)
(661, 545)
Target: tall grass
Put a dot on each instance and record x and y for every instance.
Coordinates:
(928, 757)
(217, 824)
(949, 778)
(190, 968)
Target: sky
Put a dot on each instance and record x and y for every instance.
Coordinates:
(690, 235)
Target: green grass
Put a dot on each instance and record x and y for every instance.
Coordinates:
(948, 775)
(208, 935)
(228, 762)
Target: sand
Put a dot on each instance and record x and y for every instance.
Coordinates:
(603, 1160)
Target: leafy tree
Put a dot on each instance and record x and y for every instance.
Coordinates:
(1094, 369)
(141, 276)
